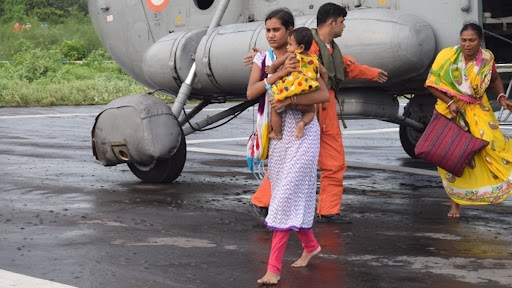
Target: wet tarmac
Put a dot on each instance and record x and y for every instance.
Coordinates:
(67, 219)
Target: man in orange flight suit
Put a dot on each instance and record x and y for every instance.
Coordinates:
(330, 25)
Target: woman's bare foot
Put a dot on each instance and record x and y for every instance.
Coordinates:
(275, 135)
(304, 259)
(455, 212)
(299, 130)
(269, 279)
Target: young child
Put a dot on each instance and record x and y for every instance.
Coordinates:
(300, 82)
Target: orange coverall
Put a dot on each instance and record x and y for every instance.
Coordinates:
(332, 155)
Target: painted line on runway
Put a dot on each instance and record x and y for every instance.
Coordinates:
(355, 164)
(375, 166)
(46, 115)
(78, 114)
(15, 280)
(196, 141)
(345, 132)
(216, 151)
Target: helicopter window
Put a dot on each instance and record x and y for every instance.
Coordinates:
(203, 4)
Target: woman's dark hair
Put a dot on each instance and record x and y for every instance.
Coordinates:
(303, 36)
(329, 11)
(284, 15)
(473, 26)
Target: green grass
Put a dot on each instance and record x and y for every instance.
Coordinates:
(36, 74)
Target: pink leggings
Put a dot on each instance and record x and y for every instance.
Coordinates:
(279, 241)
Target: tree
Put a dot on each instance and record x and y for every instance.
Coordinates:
(13, 11)
(51, 11)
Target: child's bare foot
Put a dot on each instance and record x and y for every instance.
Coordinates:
(455, 211)
(269, 279)
(299, 130)
(275, 135)
(304, 259)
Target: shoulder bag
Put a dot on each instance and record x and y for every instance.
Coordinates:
(447, 145)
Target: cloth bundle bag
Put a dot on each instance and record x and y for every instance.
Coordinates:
(447, 145)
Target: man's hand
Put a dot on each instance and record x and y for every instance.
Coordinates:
(382, 76)
(249, 57)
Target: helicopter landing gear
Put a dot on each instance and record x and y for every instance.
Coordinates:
(419, 110)
(164, 170)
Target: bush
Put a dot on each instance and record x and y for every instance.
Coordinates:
(77, 30)
(34, 64)
(73, 50)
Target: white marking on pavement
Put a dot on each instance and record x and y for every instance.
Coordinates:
(216, 151)
(231, 247)
(392, 168)
(45, 116)
(196, 141)
(349, 163)
(102, 222)
(74, 114)
(345, 132)
(442, 236)
(15, 280)
(175, 241)
(216, 140)
(490, 270)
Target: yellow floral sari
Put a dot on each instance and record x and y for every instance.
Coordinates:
(488, 178)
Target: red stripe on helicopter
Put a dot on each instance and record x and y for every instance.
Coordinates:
(157, 5)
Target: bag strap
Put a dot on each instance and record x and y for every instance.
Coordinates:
(272, 55)
(263, 75)
(463, 118)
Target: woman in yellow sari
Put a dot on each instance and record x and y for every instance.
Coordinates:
(458, 79)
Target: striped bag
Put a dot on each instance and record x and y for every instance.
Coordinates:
(447, 145)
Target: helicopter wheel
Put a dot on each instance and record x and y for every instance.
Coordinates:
(410, 136)
(164, 170)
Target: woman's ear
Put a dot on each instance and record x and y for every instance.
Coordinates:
(290, 29)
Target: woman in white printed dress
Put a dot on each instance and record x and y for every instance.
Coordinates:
(292, 162)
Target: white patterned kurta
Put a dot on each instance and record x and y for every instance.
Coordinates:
(292, 170)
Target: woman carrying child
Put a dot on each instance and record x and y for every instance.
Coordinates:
(292, 162)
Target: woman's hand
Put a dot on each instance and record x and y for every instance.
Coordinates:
(505, 103)
(291, 64)
(453, 108)
(279, 105)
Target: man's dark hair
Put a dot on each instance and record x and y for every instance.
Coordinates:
(284, 15)
(303, 36)
(329, 11)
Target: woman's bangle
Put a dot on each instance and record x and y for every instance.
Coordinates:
(450, 103)
(267, 86)
(501, 95)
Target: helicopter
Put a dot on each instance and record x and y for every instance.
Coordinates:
(193, 50)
